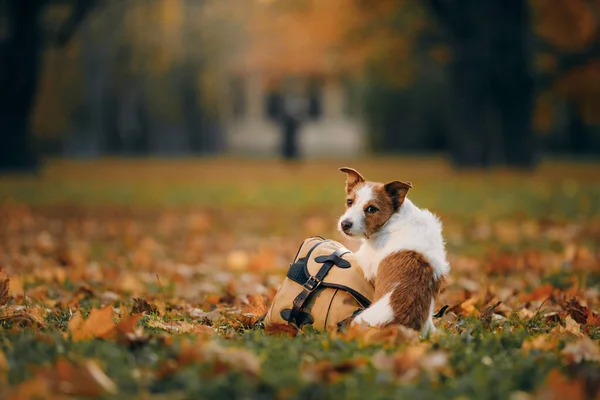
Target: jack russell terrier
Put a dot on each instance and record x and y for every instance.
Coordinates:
(402, 252)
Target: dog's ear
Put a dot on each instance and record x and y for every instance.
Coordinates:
(353, 177)
(397, 191)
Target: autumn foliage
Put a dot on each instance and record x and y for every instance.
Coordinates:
(101, 296)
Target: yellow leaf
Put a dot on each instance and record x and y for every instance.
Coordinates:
(542, 342)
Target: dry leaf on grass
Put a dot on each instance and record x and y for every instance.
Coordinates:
(541, 342)
(407, 364)
(31, 389)
(86, 379)
(3, 367)
(558, 387)
(466, 307)
(571, 328)
(99, 324)
(141, 306)
(486, 315)
(23, 316)
(281, 330)
(181, 327)
(253, 309)
(392, 335)
(224, 360)
(327, 372)
(584, 349)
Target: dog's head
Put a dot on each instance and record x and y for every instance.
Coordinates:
(369, 205)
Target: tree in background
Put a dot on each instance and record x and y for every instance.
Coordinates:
(492, 88)
(511, 68)
(568, 65)
(20, 50)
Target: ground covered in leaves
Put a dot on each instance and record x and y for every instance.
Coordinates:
(143, 279)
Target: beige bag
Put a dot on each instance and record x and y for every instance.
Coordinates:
(324, 286)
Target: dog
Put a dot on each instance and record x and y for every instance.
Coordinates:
(402, 252)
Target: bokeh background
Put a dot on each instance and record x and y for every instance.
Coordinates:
(484, 83)
(162, 160)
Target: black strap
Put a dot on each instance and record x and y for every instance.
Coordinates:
(441, 313)
(335, 258)
(309, 286)
(298, 271)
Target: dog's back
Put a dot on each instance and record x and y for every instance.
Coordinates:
(410, 282)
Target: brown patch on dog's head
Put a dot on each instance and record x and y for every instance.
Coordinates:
(353, 178)
(369, 205)
(397, 191)
(378, 210)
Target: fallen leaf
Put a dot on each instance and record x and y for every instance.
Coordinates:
(584, 349)
(99, 324)
(85, 379)
(392, 335)
(559, 387)
(22, 315)
(572, 327)
(328, 372)
(541, 342)
(3, 367)
(281, 330)
(32, 389)
(141, 306)
(541, 293)
(578, 312)
(486, 315)
(253, 309)
(407, 364)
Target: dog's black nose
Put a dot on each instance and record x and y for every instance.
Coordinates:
(346, 224)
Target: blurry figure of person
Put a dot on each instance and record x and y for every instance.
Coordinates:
(294, 111)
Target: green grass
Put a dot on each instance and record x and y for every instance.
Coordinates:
(163, 230)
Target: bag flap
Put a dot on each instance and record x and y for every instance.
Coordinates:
(342, 278)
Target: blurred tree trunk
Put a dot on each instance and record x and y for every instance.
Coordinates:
(19, 71)
(20, 66)
(491, 99)
(578, 133)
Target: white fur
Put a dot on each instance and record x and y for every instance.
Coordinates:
(356, 212)
(378, 313)
(410, 228)
(429, 327)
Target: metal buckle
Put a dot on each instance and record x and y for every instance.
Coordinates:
(311, 284)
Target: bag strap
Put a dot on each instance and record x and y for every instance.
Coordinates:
(298, 271)
(313, 282)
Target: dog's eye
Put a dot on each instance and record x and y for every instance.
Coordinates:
(371, 210)
(349, 202)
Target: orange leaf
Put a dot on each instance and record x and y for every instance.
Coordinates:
(281, 329)
(99, 324)
(87, 380)
(128, 323)
(327, 372)
(541, 293)
(255, 308)
(559, 387)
